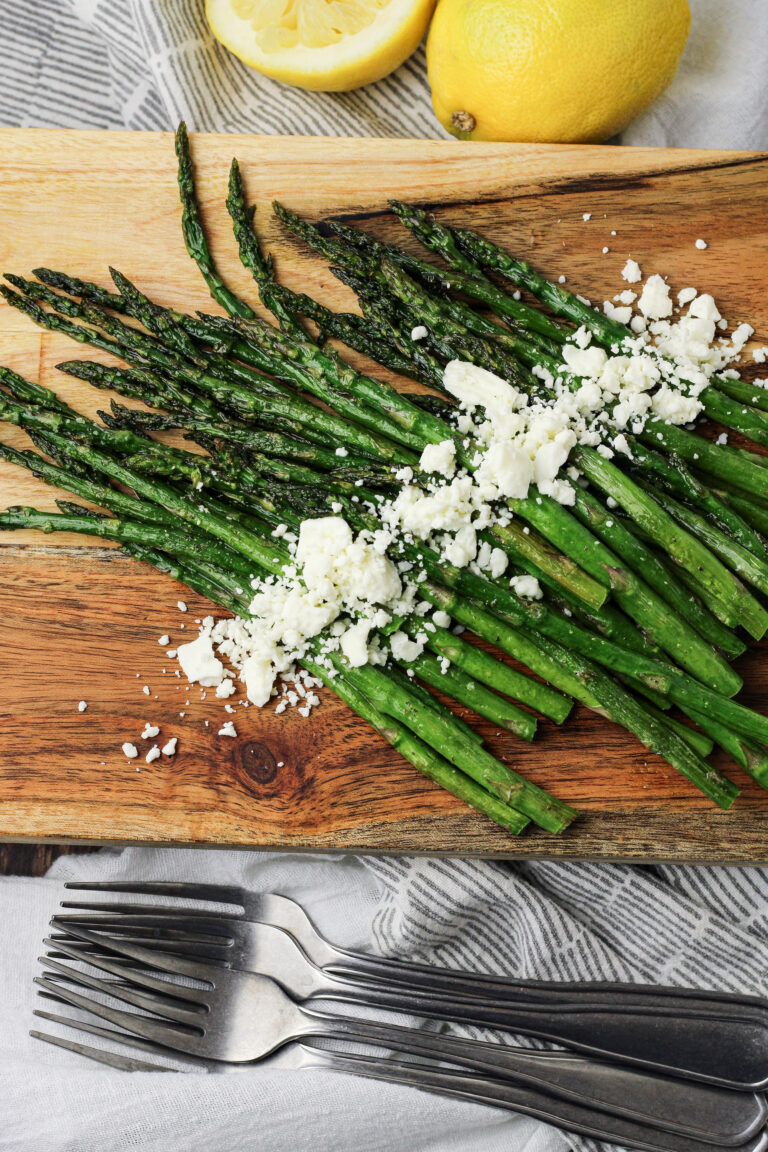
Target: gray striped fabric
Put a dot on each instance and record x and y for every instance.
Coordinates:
(142, 64)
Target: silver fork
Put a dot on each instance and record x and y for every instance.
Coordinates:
(425, 1077)
(245, 1017)
(285, 913)
(719, 1042)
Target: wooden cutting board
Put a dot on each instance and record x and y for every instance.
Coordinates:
(82, 623)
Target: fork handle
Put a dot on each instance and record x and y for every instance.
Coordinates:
(361, 966)
(718, 1046)
(702, 1112)
(568, 1114)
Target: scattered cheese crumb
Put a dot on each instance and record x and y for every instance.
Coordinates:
(164, 640)
(631, 272)
(419, 332)
(181, 606)
(130, 750)
(225, 689)
(169, 749)
(150, 731)
(227, 729)
(146, 690)
(82, 706)
(153, 754)
(701, 245)
(586, 216)
(527, 587)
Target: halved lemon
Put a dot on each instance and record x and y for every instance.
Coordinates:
(325, 45)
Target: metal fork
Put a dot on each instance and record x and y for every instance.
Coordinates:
(425, 1077)
(716, 1042)
(285, 913)
(245, 1017)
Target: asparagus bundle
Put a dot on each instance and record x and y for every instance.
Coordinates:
(645, 586)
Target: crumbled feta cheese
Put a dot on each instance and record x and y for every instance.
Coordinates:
(169, 748)
(631, 272)
(164, 640)
(702, 244)
(181, 606)
(527, 587)
(130, 750)
(153, 754)
(342, 451)
(404, 648)
(199, 662)
(439, 458)
(419, 332)
(654, 301)
(82, 706)
(586, 216)
(227, 729)
(150, 731)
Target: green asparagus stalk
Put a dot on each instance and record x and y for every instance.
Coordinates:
(194, 236)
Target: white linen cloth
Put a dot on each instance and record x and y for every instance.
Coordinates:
(143, 64)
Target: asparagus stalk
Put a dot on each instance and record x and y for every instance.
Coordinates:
(194, 236)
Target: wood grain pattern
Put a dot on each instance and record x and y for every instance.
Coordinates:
(79, 622)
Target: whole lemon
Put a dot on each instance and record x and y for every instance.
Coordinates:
(551, 70)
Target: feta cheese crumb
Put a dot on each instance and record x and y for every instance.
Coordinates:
(199, 663)
(169, 749)
(150, 731)
(440, 458)
(82, 706)
(164, 640)
(225, 689)
(181, 606)
(153, 754)
(419, 332)
(654, 301)
(701, 245)
(227, 729)
(631, 272)
(342, 451)
(130, 750)
(145, 689)
(527, 587)
(586, 216)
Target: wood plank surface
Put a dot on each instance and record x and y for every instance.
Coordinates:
(82, 623)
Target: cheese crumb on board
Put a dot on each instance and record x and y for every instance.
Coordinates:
(701, 245)
(82, 706)
(631, 272)
(169, 748)
(227, 729)
(130, 750)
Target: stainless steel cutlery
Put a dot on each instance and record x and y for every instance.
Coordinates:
(666, 1070)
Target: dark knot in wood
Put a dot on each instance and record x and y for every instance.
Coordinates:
(257, 763)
